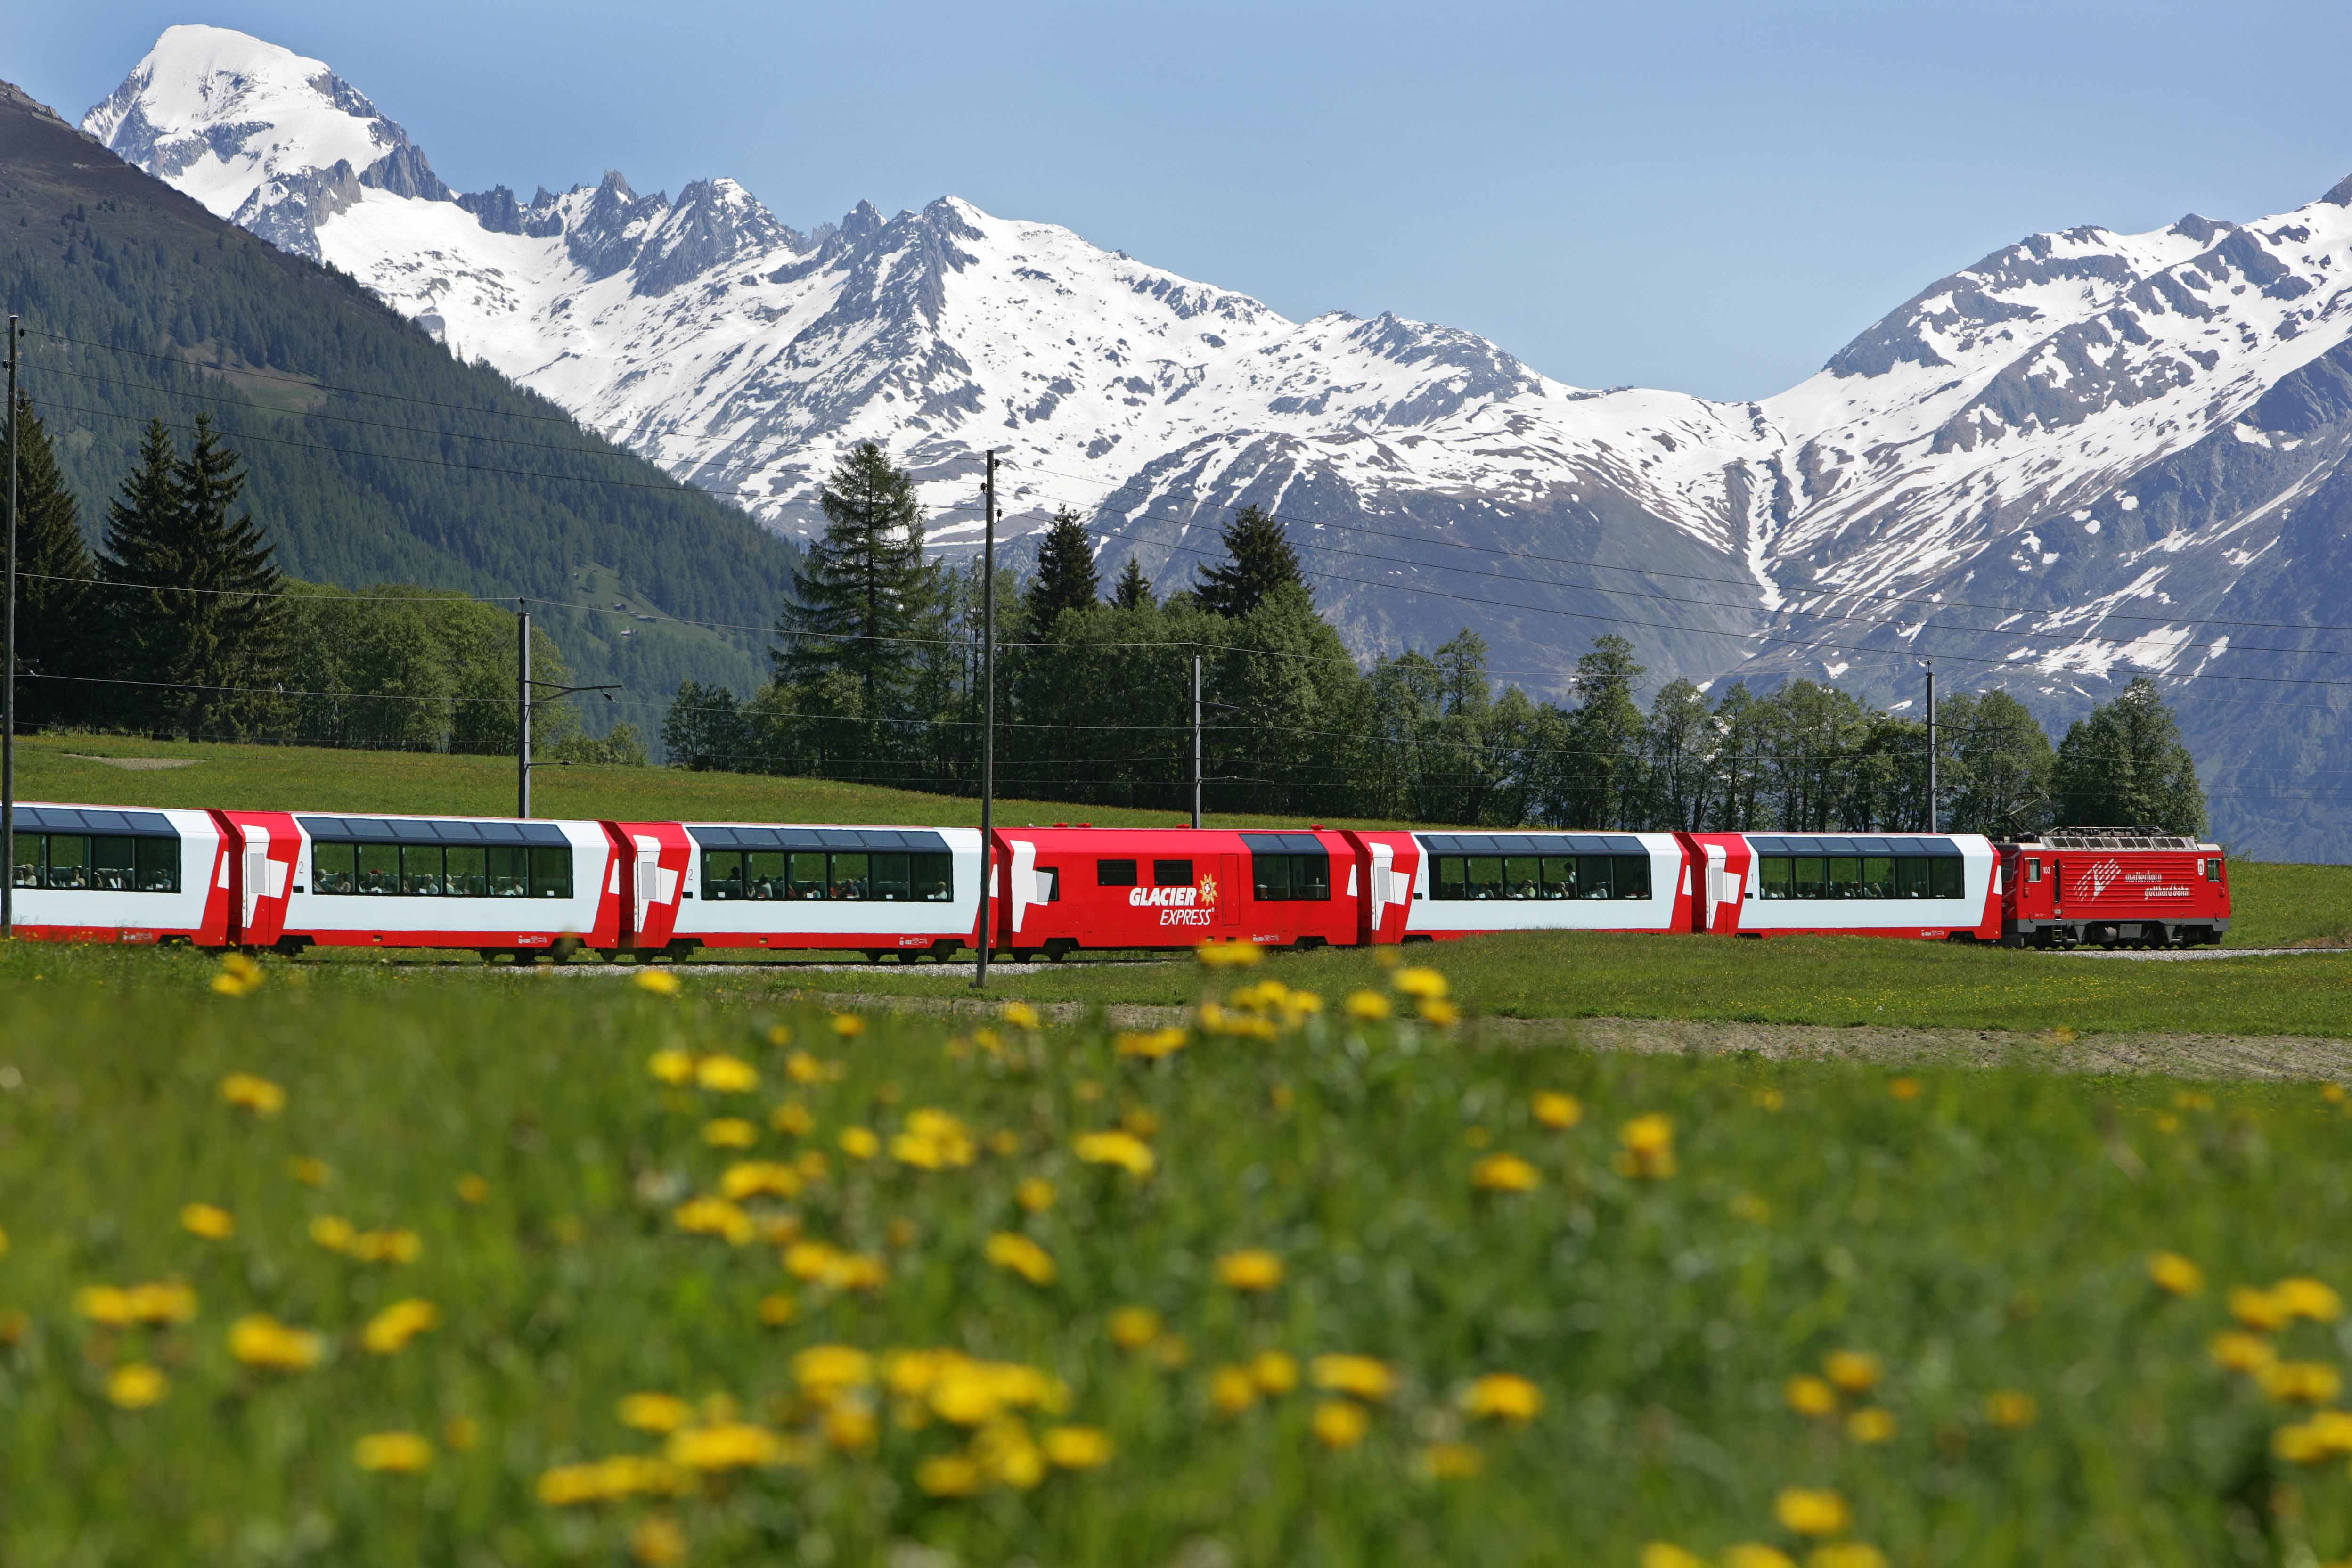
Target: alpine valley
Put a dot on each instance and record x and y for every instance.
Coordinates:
(2087, 456)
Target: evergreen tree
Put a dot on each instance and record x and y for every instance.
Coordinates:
(2125, 766)
(705, 729)
(53, 599)
(1133, 589)
(1998, 781)
(1259, 560)
(864, 588)
(1065, 572)
(1681, 736)
(1604, 775)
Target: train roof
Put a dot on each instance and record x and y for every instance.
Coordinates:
(2118, 839)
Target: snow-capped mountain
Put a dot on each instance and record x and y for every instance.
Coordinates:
(2053, 469)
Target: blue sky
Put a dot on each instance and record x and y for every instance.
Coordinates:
(1709, 197)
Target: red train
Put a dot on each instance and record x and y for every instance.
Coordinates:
(289, 881)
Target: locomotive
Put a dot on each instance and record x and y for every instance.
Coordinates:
(290, 880)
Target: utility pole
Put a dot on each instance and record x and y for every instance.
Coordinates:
(9, 677)
(1196, 741)
(1931, 745)
(522, 707)
(988, 715)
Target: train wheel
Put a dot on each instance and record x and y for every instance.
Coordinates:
(909, 957)
(1023, 955)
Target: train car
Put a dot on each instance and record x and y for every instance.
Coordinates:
(1930, 886)
(903, 890)
(2113, 887)
(1067, 887)
(107, 874)
(1425, 887)
(492, 884)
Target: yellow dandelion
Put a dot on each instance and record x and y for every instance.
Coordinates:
(826, 1370)
(727, 1075)
(1034, 1194)
(1133, 1328)
(1273, 1373)
(729, 1132)
(1767, 1100)
(1503, 1397)
(389, 1331)
(803, 1068)
(387, 1247)
(309, 1170)
(2175, 1275)
(248, 1092)
(2301, 1382)
(850, 1429)
(662, 1413)
(1803, 1511)
(675, 1068)
(1227, 954)
(2011, 1409)
(1451, 1461)
(724, 1445)
(1022, 1256)
(261, 1340)
(1504, 1174)
(1232, 1390)
(239, 976)
(1855, 1372)
(2304, 1297)
(167, 1302)
(1151, 1044)
(1666, 1555)
(402, 1453)
(1809, 1395)
(2260, 1309)
(848, 1025)
(657, 1542)
(2300, 1443)
(1845, 1554)
(107, 1305)
(1363, 1376)
(1557, 1110)
(1340, 1423)
(1021, 1015)
(1419, 982)
(1367, 1006)
(1647, 1146)
(472, 1189)
(461, 1433)
(655, 982)
(778, 1310)
(859, 1142)
(1904, 1088)
(135, 1385)
(948, 1475)
(1251, 1269)
(1077, 1448)
(209, 1221)
(2238, 1351)
(1871, 1425)
(792, 1118)
(1438, 1011)
(708, 1215)
(1125, 1150)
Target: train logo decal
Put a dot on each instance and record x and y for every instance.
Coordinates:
(2102, 875)
(1208, 889)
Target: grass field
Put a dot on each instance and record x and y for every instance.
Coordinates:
(2023, 1393)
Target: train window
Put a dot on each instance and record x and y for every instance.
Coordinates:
(1772, 876)
(27, 871)
(934, 879)
(1484, 873)
(2033, 870)
(2212, 870)
(763, 874)
(1809, 877)
(509, 871)
(113, 865)
(1845, 877)
(1310, 877)
(1114, 873)
(804, 874)
(1877, 877)
(550, 873)
(852, 877)
(1445, 877)
(1521, 875)
(722, 874)
(1558, 878)
(159, 865)
(1172, 873)
(1049, 884)
(1632, 875)
(1910, 877)
(1945, 876)
(379, 868)
(891, 880)
(470, 872)
(1270, 877)
(420, 870)
(1594, 878)
(70, 862)
(335, 868)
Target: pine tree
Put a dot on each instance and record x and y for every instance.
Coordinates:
(1607, 732)
(863, 588)
(53, 599)
(705, 729)
(1259, 560)
(2001, 759)
(199, 616)
(2125, 766)
(1133, 589)
(1065, 576)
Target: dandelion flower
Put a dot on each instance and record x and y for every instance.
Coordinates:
(848, 1025)
(1804, 1510)
(1904, 1088)
(1503, 1397)
(2299, 1444)
(403, 1453)
(655, 982)
(2175, 1275)
(1022, 1256)
(309, 1170)
(472, 1189)
(135, 1385)
(1855, 1372)
(169, 1301)
(1871, 1425)
(673, 1067)
(859, 1142)
(107, 1305)
(1504, 1174)
(1232, 1390)
(1132, 1328)
(2011, 1409)
(824, 1370)
(1151, 1044)
(258, 1095)
(1253, 1269)
(1077, 1448)
(2238, 1351)
(1845, 1554)
(726, 1446)
(390, 1331)
(1361, 1375)
(2304, 1297)
(1767, 1100)
(1437, 1010)
(727, 1075)
(2301, 1382)
(387, 1247)
(1666, 1555)
(1227, 954)
(1557, 1110)
(657, 1542)
(792, 1118)
(759, 1178)
(1340, 1423)
(948, 1475)
(708, 1215)
(209, 1221)
(850, 1429)
(239, 976)
(1451, 1461)
(1647, 1146)
(1367, 1006)
(2260, 1310)
(1021, 1015)
(262, 1340)
(1419, 982)
(461, 1433)
(1125, 1150)
(1273, 1372)
(1034, 1194)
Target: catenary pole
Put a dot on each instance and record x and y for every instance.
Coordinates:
(1931, 746)
(1196, 742)
(522, 707)
(8, 676)
(987, 718)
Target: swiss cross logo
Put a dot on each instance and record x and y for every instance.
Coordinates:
(2102, 875)
(1208, 889)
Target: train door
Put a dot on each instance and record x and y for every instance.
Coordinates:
(645, 887)
(1716, 880)
(1375, 906)
(1229, 890)
(262, 852)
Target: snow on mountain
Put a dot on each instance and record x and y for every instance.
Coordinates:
(2104, 440)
